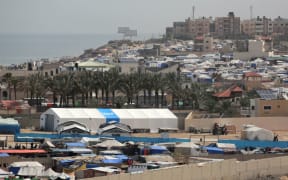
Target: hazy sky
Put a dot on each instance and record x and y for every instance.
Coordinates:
(104, 16)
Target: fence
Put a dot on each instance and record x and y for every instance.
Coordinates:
(240, 144)
(227, 169)
(30, 137)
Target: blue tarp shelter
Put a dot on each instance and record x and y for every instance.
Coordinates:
(214, 150)
(75, 144)
(157, 149)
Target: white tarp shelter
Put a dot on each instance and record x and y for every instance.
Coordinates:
(254, 133)
(136, 118)
(187, 148)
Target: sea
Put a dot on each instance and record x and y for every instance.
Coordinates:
(21, 48)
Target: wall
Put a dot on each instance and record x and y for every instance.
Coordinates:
(271, 123)
(278, 107)
(228, 169)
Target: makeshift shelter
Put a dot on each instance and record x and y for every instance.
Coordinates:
(73, 128)
(254, 133)
(158, 149)
(50, 173)
(90, 141)
(4, 174)
(92, 118)
(109, 144)
(187, 148)
(9, 126)
(26, 168)
(115, 128)
(213, 150)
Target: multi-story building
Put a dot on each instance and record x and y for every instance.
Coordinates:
(280, 26)
(190, 28)
(198, 27)
(258, 26)
(227, 27)
(203, 43)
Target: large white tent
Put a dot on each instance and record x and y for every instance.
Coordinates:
(152, 119)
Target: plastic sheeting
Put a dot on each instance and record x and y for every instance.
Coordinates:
(254, 133)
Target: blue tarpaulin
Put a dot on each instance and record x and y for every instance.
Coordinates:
(214, 150)
(157, 149)
(109, 115)
(122, 157)
(66, 162)
(91, 166)
(4, 155)
(112, 161)
(75, 144)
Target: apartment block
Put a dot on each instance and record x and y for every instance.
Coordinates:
(280, 26)
(257, 26)
(227, 27)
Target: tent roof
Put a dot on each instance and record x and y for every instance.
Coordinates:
(94, 64)
(187, 145)
(3, 172)
(92, 113)
(76, 113)
(75, 144)
(26, 164)
(110, 143)
(50, 173)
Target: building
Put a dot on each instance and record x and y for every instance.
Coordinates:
(258, 26)
(280, 26)
(252, 80)
(227, 27)
(198, 27)
(256, 48)
(269, 104)
(203, 44)
(92, 118)
(190, 28)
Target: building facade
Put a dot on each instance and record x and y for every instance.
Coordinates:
(227, 27)
(280, 26)
(258, 26)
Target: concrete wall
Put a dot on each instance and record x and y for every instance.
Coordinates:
(228, 169)
(271, 123)
(278, 107)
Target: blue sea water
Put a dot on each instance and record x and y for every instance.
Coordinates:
(20, 48)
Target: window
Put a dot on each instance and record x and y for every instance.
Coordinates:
(267, 107)
(253, 107)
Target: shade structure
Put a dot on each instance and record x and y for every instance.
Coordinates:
(92, 118)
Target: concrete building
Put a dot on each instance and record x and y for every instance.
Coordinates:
(203, 43)
(256, 48)
(252, 81)
(258, 26)
(190, 28)
(198, 27)
(280, 26)
(227, 27)
(267, 108)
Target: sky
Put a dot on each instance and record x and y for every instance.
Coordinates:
(105, 16)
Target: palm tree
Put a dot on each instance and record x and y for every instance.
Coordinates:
(173, 87)
(158, 84)
(130, 86)
(8, 78)
(15, 82)
(147, 85)
(114, 82)
(83, 82)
